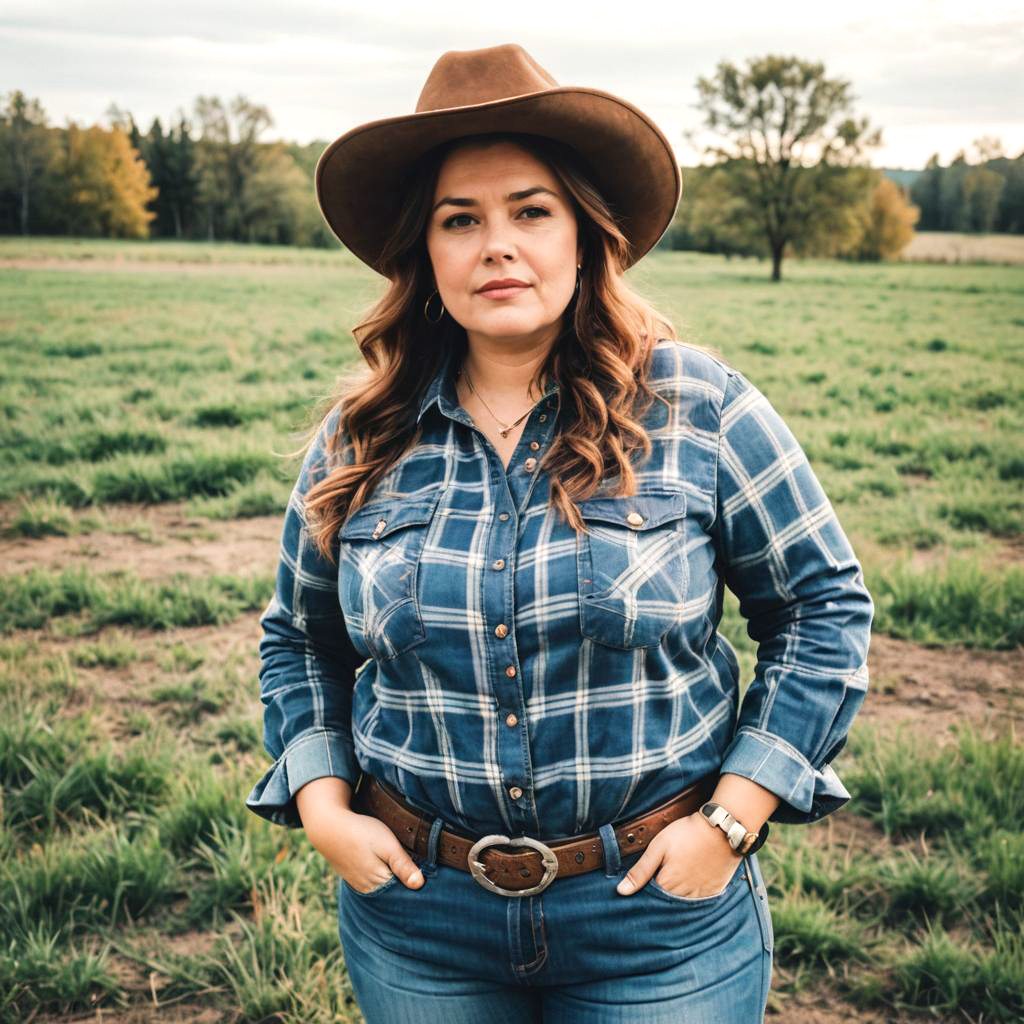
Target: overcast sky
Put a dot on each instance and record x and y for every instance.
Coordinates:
(933, 75)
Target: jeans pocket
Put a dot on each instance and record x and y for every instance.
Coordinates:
(377, 890)
(695, 901)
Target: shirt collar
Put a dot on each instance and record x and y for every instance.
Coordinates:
(441, 390)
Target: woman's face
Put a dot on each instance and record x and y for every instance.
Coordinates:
(481, 229)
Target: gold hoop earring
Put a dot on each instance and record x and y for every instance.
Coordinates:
(426, 315)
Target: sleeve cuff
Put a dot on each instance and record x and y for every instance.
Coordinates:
(312, 755)
(806, 794)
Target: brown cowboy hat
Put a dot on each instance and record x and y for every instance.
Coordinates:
(360, 176)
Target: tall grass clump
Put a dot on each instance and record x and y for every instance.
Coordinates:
(99, 785)
(79, 884)
(41, 973)
(969, 787)
(958, 603)
(284, 962)
(31, 600)
(943, 977)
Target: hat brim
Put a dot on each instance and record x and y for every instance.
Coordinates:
(360, 177)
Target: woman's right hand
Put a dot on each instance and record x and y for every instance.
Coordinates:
(359, 847)
(363, 850)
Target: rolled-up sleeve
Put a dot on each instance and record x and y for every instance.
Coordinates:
(307, 662)
(782, 552)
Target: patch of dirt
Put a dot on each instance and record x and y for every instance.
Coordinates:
(155, 542)
(933, 688)
(845, 832)
(165, 1013)
(1011, 551)
(822, 1005)
(110, 695)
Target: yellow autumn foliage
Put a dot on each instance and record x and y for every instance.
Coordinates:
(885, 223)
(108, 184)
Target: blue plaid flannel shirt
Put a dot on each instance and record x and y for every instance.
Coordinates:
(474, 653)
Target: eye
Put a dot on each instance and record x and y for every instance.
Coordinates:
(448, 222)
(539, 209)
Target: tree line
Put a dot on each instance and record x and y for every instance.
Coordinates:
(986, 196)
(786, 173)
(205, 177)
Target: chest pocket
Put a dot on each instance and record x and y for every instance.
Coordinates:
(633, 573)
(379, 553)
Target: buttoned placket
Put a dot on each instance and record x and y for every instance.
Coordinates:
(514, 487)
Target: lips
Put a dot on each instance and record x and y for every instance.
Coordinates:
(506, 284)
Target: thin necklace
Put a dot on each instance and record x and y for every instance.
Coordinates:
(505, 427)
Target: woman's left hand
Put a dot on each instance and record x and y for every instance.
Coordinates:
(695, 860)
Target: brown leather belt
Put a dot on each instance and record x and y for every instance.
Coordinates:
(534, 868)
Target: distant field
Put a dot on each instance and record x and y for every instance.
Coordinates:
(950, 247)
(148, 392)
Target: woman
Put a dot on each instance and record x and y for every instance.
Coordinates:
(495, 692)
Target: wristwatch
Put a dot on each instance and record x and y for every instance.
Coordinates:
(742, 841)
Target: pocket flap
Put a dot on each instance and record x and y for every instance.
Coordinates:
(377, 519)
(654, 508)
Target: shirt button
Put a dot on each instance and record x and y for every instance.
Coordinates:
(534, 445)
(503, 517)
(501, 630)
(634, 519)
(529, 464)
(515, 792)
(510, 670)
(542, 417)
(510, 719)
(498, 563)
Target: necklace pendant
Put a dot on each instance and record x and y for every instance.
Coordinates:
(504, 433)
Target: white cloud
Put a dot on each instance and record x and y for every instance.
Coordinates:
(934, 75)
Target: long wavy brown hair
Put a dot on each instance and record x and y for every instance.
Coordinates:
(600, 358)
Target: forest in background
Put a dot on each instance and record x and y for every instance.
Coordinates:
(209, 177)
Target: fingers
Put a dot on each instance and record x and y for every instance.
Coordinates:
(404, 866)
(639, 874)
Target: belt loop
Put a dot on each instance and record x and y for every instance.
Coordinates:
(429, 866)
(612, 855)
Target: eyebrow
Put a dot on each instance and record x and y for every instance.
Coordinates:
(512, 197)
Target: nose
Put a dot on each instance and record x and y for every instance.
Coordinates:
(497, 244)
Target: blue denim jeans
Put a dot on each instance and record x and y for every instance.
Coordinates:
(576, 953)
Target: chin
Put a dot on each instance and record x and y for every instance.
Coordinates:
(507, 326)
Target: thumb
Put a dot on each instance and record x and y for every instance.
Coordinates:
(637, 876)
(404, 866)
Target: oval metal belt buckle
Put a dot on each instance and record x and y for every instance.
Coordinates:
(476, 868)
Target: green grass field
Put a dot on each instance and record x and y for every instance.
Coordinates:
(149, 391)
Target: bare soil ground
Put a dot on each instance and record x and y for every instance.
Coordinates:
(950, 247)
(155, 542)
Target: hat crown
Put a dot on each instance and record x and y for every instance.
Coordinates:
(463, 78)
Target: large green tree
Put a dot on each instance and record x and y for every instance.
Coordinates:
(170, 158)
(228, 153)
(28, 151)
(788, 153)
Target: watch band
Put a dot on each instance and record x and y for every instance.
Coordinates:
(742, 841)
